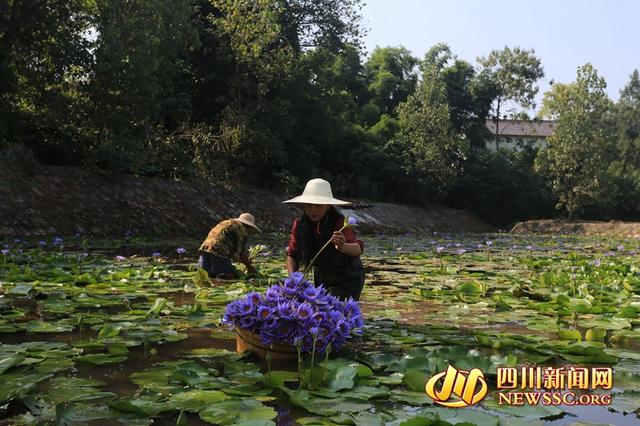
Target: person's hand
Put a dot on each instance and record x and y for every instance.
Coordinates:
(338, 240)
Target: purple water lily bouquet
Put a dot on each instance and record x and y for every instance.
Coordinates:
(297, 314)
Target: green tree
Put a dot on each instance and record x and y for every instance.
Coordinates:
(627, 116)
(625, 169)
(515, 72)
(578, 154)
(391, 77)
(138, 83)
(470, 94)
(424, 146)
(44, 57)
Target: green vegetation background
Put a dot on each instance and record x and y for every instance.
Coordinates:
(271, 93)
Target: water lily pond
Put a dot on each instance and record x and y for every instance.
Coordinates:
(129, 332)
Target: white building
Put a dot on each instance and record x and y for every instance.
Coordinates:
(516, 134)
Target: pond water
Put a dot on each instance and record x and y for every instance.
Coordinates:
(120, 336)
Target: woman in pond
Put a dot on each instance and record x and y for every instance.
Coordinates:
(339, 268)
(226, 241)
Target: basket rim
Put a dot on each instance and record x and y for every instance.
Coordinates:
(253, 339)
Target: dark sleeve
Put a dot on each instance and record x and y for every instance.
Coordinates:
(292, 248)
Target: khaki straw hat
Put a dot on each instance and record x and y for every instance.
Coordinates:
(317, 191)
(248, 219)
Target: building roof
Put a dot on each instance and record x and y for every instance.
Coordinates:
(522, 128)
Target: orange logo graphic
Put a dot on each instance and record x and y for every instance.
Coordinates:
(460, 383)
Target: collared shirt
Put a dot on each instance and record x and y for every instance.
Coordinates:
(349, 235)
(226, 239)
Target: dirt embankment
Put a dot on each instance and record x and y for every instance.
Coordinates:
(612, 228)
(64, 201)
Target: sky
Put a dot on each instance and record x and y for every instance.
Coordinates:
(565, 34)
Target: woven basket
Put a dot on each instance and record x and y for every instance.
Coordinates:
(246, 340)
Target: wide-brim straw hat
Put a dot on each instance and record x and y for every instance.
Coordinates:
(317, 191)
(249, 220)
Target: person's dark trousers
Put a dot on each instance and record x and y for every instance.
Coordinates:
(216, 266)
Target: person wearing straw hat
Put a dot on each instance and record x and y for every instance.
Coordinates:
(227, 241)
(338, 267)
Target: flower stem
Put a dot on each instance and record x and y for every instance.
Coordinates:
(308, 268)
(313, 357)
(268, 358)
(299, 366)
(324, 366)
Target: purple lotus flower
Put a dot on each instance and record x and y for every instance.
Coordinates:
(42, 243)
(296, 313)
(180, 250)
(304, 311)
(246, 307)
(286, 310)
(273, 293)
(17, 241)
(155, 254)
(254, 298)
(439, 249)
(120, 258)
(352, 221)
(310, 294)
(264, 312)
(4, 252)
(57, 242)
(343, 328)
(489, 243)
(290, 287)
(461, 251)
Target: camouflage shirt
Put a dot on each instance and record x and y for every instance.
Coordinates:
(227, 239)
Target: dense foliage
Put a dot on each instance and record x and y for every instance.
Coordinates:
(272, 93)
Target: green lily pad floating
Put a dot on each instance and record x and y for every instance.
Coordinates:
(10, 361)
(470, 291)
(207, 353)
(18, 385)
(277, 379)
(410, 397)
(569, 335)
(528, 411)
(606, 323)
(415, 380)
(73, 414)
(196, 400)
(102, 359)
(238, 411)
(20, 290)
(326, 406)
(49, 327)
(626, 402)
(109, 331)
(74, 389)
(462, 416)
(145, 405)
(626, 338)
(341, 378)
(367, 392)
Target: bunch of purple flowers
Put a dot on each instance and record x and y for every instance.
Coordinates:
(297, 313)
